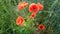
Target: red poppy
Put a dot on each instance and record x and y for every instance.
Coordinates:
(41, 27)
(33, 15)
(33, 7)
(19, 21)
(22, 5)
(41, 7)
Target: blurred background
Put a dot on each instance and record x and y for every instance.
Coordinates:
(50, 17)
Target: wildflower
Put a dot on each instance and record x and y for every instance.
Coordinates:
(33, 15)
(33, 7)
(41, 27)
(20, 20)
(22, 5)
(41, 7)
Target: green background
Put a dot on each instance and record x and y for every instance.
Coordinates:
(50, 17)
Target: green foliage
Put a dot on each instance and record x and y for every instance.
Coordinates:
(50, 17)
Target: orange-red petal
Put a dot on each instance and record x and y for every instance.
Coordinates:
(22, 5)
(20, 20)
(41, 27)
(33, 7)
(32, 15)
(41, 7)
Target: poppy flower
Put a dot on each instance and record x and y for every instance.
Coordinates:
(33, 7)
(41, 27)
(32, 15)
(22, 5)
(41, 7)
(20, 20)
